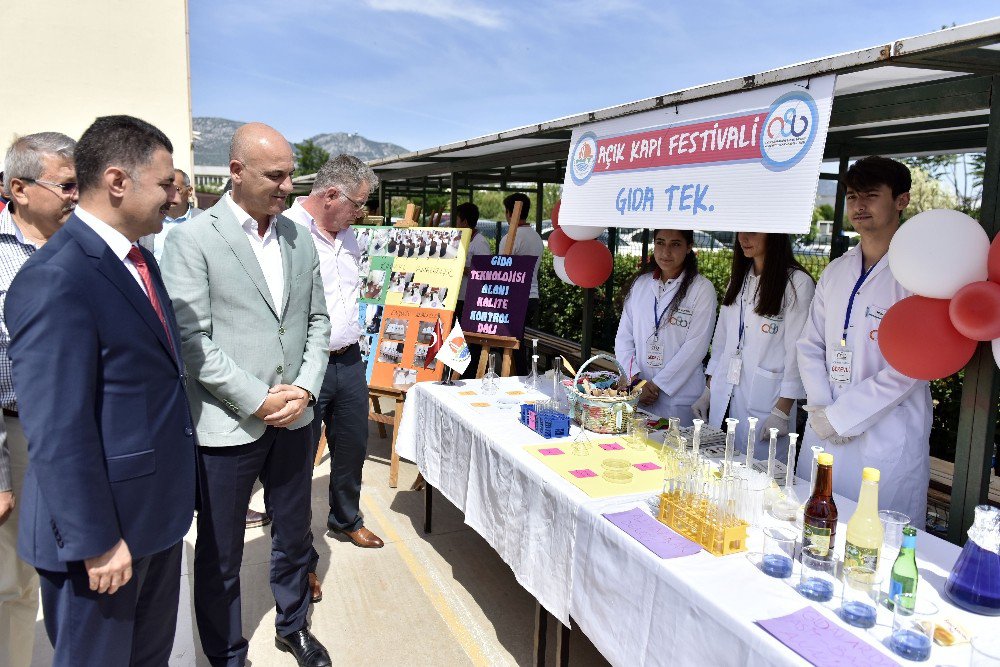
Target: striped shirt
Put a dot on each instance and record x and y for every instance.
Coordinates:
(14, 252)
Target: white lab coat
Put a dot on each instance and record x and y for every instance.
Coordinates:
(770, 365)
(685, 336)
(889, 413)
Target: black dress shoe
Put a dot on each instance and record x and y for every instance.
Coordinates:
(307, 650)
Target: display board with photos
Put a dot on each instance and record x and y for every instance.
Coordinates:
(410, 276)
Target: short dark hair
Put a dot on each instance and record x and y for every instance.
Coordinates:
(875, 170)
(468, 212)
(508, 204)
(122, 141)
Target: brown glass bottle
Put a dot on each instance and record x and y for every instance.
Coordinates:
(819, 526)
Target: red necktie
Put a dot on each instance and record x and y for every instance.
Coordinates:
(140, 265)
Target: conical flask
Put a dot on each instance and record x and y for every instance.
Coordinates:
(974, 582)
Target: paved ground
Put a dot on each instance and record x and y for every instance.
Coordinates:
(440, 599)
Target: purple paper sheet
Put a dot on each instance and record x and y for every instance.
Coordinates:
(652, 534)
(822, 642)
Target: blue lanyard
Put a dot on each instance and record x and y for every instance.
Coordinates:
(739, 342)
(854, 292)
(657, 319)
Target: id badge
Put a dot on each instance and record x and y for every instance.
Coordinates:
(654, 353)
(840, 367)
(735, 368)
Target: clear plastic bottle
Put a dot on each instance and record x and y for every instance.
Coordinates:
(864, 530)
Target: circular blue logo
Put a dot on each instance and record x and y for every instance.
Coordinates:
(788, 130)
(583, 158)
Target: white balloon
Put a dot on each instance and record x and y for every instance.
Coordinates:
(581, 233)
(559, 265)
(938, 252)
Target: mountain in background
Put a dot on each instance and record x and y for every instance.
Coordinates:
(211, 144)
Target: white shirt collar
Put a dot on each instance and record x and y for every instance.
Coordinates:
(181, 218)
(118, 242)
(7, 218)
(246, 220)
(298, 213)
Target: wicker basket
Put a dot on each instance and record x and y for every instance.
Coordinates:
(605, 414)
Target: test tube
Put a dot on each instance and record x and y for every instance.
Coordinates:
(696, 437)
(730, 443)
(751, 441)
(772, 451)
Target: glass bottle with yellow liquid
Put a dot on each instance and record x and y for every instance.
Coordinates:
(864, 530)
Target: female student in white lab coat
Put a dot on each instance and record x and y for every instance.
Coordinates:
(863, 411)
(753, 371)
(666, 327)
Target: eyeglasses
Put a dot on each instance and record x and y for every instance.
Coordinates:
(65, 188)
(358, 205)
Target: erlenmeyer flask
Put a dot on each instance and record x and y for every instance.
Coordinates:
(974, 582)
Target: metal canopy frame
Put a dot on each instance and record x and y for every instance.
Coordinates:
(933, 93)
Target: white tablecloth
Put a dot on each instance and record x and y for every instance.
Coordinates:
(636, 608)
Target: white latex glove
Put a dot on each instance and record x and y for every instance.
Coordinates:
(777, 419)
(700, 407)
(820, 424)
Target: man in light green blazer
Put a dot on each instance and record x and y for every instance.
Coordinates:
(247, 290)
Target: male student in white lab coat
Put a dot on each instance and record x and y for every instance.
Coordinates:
(861, 409)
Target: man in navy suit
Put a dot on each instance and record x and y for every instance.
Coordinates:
(110, 487)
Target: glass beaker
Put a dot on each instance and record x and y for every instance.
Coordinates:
(913, 625)
(638, 432)
(974, 582)
(818, 579)
(490, 379)
(779, 552)
(859, 600)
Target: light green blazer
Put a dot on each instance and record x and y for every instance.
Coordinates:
(236, 342)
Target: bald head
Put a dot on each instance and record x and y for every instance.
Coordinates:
(254, 137)
(260, 164)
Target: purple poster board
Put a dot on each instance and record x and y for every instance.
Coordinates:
(496, 299)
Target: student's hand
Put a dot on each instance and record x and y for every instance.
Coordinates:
(702, 405)
(777, 419)
(650, 393)
(110, 571)
(821, 425)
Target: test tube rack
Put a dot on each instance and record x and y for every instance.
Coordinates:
(701, 521)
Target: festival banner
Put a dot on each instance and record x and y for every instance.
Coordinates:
(409, 277)
(496, 297)
(748, 161)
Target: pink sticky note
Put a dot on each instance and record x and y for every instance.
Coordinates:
(583, 474)
(648, 465)
(611, 447)
(551, 451)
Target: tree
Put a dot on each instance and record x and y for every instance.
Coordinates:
(309, 157)
(926, 192)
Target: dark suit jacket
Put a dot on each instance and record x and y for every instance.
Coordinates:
(101, 396)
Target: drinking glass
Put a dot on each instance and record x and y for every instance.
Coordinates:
(912, 627)
(818, 578)
(892, 530)
(779, 552)
(638, 432)
(985, 651)
(859, 601)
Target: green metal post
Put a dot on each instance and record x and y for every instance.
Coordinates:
(539, 194)
(587, 334)
(645, 250)
(423, 209)
(977, 418)
(838, 243)
(454, 198)
(610, 321)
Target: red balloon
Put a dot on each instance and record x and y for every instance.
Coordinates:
(918, 339)
(559, 243)
(993, 260)
(589, 263)
(555, 213)
(975, 310)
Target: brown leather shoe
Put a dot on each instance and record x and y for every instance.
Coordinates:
(315, 590)
(364, 538)
(257, 519)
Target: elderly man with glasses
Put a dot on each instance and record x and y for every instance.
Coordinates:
(40, 180)
(338, 199)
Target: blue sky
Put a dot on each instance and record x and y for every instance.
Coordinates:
(421, 73)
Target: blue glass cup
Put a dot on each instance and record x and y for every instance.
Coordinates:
(859, 600)
(818, 578)
(913, 625)
(779, 552)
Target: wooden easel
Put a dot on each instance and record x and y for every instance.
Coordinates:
(488, 341)
(410, 216)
